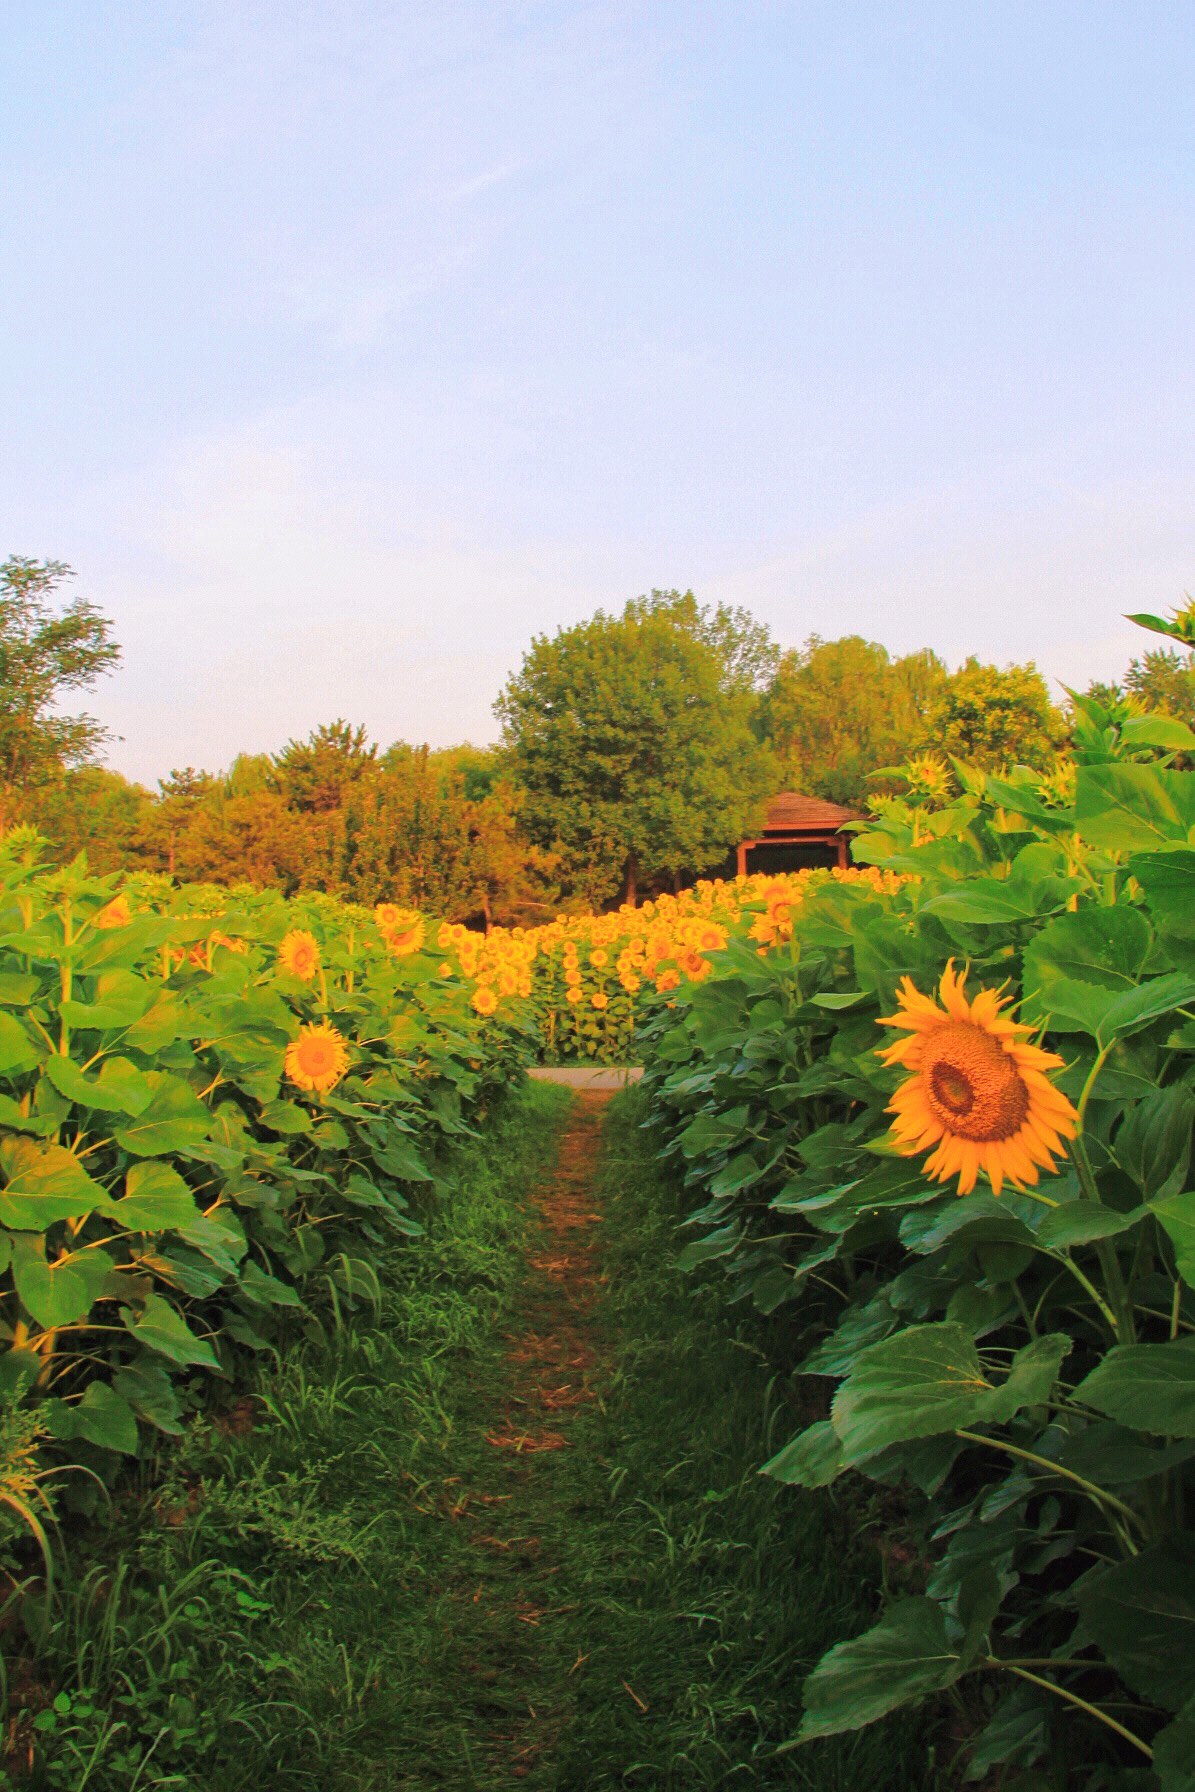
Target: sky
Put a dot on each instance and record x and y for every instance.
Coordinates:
(347, 344)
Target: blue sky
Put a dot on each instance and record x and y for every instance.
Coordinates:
(346, 344)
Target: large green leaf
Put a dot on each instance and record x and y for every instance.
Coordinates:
(156, 1198)
(812, 1459)
(62, 1290)
(1133, 808)
(101, 1416)
(1150, 1387)
(1141, 1612)
(1107, 946)
(930, 1379)
(1113, 1456)
(17, 1050)
(44, 1183)
(17, 989)
(1139, 1007)
(1174, 1752)
(1176, 1215)
(174, 1119)
(1070, 1005)
(1016, 1735)
(984, 901)
(123, 947)
(287, 1117)
(120, 1088)
(1153, 1145)
(161, 1328)
(981, 1219)
(147, 1387)
(1168, 881)
(397, 1157)
(161, 1024)
(1081, 1222)
(905, 1656)
(1031, 1376)
(1167, 733)
(121, 997)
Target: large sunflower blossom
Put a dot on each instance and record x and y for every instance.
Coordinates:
(317, 1059)
(299, 954)
(977, 1092)
(402, 931)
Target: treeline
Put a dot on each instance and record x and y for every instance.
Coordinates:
(436, 830)
(637, 748)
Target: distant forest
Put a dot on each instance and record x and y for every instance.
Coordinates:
(636, 749)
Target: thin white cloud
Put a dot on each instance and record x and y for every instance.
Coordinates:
(483, 182)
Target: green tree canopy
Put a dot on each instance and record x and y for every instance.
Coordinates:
(316, 774)
(1162, 679)
(631, 737)
(48, 646)
(993, 716)
(836, 711)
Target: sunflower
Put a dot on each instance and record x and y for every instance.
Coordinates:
(573, 995)
(484, 1000)
(404, 932)
(599, 999)
(695, 967)
(299, 954)
(317, 1059)
(977, 1091)
(387, 914)
(116, 913)
(667, 980)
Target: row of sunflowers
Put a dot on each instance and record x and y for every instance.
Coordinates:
(588, 981)
(943, 1133)
(213, 1100)
(214, 1105)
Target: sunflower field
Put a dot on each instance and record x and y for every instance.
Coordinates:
(212, 1105)
(933, 1115)
(943, 1131)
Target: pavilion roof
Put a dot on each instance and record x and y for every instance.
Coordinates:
(790, 812)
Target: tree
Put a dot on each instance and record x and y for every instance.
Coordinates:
(48, 646)
(836, 711)
(1163, 679)
(92, 810)
(743, 644)
(316, 774)
(994, 716)
(631, 738)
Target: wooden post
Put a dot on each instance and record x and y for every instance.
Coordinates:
(742, 857)
(842, 861)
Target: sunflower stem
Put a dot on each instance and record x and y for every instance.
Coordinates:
(1108, 1502)
(1125, 1323)
(1071, 1698)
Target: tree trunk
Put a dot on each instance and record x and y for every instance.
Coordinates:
(630, 891)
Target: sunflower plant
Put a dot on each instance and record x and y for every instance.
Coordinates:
(209, 1100)
(943, 1132)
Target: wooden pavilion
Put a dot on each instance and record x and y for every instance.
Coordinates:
(798, 831)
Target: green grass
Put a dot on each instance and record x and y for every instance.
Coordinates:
(706, 1588)
(306, 1605)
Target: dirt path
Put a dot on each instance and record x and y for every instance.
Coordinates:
(550, 1371)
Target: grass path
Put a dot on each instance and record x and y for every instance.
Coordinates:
(504, 1530)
